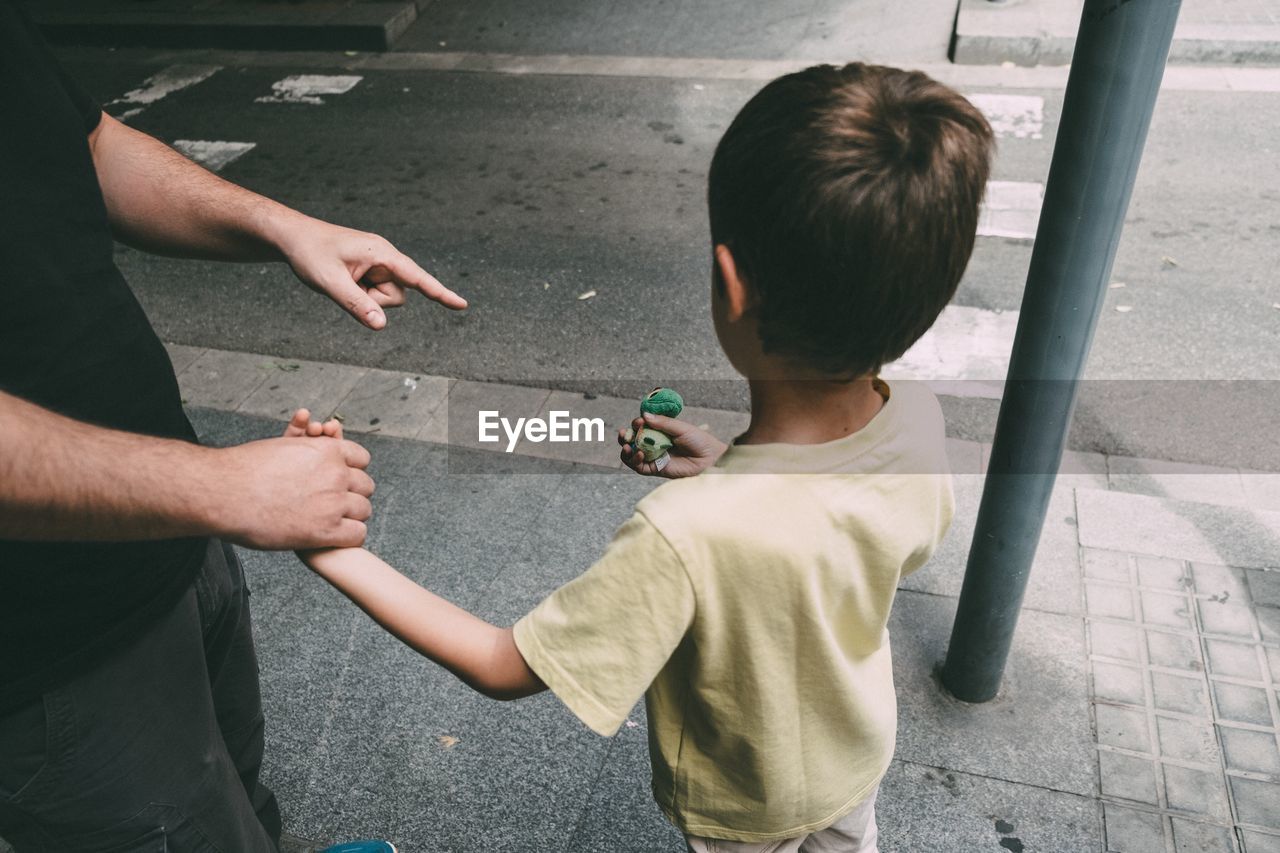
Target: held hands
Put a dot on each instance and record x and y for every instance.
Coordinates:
(362, 272)
(297, 492)
(692, 451)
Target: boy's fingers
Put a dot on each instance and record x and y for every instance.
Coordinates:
(314, 430)
(333, 428)
(671, 426)
(297, 425)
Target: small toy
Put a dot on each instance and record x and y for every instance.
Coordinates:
(649, 441)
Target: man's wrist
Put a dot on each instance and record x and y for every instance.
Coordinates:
(278, 228)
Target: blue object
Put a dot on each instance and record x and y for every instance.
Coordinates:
(362, 847)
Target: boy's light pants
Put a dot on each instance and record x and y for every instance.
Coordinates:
(853, 833)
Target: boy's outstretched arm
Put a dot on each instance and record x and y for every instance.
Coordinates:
(483, 655)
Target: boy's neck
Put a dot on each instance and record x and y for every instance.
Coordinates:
(809, 411)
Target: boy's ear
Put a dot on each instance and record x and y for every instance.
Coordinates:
(738, 299)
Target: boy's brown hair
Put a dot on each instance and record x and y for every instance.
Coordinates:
(849, 199)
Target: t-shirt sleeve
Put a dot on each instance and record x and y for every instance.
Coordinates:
(599, 641)
(85, 104)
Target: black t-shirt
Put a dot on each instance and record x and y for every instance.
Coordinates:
(74, 340)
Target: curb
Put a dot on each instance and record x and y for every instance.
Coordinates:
(1043, 32)
(364, 25)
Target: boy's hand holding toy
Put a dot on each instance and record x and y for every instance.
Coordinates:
(658, 444)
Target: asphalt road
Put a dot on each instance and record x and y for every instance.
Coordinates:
(525, 191)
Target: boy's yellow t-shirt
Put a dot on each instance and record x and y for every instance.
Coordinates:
(749, 606)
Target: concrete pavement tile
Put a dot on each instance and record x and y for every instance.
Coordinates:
(181, 357)
(1186, 740)
(1221, 582)
(1257, 801)
(1115, 683)
(390, 403)
(1082, 470)
(1260, 842)
(1174, 651)
(1127, 777)
(1122, 727)
(1264, 587)
(1133, 831)
(621, 815)
(1237, 660)
(1249, 750)
(467, 399)
(1268, 624)
(1054, 582)
(1261, 489)
(1179, 529)
(1239, 703)
(1193, 835)
(1107, 639)
(1179, 694)
(1198, 792)
(592, 447)
(1162, 573)
(1273, 663)
(1234, 620)
(293, 384)
(1180, 480)
(1109, 566)
(1167, 610)
(922, 807)
(223, 380)
(1044, 701)
(1106, 601)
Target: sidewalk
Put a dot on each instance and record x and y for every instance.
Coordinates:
(1042, 32)
(239, 24)
(1139, 711)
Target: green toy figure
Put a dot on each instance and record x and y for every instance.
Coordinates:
(649, 441)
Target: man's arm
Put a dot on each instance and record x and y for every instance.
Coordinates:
(482, 655)
(61, 479)
(161, 202)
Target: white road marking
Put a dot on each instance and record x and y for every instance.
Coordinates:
(1017, 116)
(168, 81)
(307, 88)
(210, 153)
(1011, 209)
(965, 354)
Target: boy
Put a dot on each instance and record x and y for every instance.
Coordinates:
(749, 607)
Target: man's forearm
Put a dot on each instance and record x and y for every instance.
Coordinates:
(482, 655)
(66, 480)
(161, 202)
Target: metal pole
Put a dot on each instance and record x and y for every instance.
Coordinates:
(1115, 75)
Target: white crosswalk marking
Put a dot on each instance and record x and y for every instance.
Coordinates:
(1011, 209)
(307, 88)
(1017, 116)
(157, 86)
(965, 354)
(212, 154)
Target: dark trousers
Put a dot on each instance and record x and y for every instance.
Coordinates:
(156, 749)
